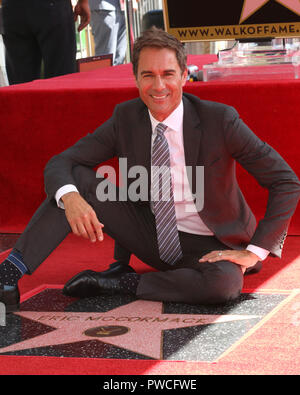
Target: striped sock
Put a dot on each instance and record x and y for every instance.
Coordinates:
(12, 269)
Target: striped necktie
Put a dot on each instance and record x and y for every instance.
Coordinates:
(163, 200)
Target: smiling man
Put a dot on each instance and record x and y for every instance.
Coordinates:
(160, 81)
(200, 255)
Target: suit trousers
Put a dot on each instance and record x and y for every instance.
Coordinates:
(109, 31)
(37, 31)
(132, 225)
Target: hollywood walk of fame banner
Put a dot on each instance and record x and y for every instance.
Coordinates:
(202, 20)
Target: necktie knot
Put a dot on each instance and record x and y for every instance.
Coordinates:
(161, 128)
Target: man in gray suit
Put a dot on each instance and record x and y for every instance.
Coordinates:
(202, 241)
(109, 28)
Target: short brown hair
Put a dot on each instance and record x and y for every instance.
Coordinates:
(157, 38)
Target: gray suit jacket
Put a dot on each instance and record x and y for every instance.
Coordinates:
(214, 137)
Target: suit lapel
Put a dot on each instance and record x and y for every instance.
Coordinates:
(142, 140)
(191, 139)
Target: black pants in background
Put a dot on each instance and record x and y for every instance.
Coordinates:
(37, 31)
(132, 225)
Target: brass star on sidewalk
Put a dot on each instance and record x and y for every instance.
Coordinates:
(251, 6)
(136, 326)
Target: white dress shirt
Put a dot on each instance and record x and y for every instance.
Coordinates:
(187, 217)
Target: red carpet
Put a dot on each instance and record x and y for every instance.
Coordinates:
(270, 347)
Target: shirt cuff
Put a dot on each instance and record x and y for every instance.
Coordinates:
(260, 252)
(62, 191)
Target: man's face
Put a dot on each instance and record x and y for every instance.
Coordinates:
(160, 81)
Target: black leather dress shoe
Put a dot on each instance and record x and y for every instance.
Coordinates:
(117, 269)
(10, 298)
(90, 283)
(254, 269)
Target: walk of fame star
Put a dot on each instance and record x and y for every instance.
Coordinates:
(251, 6)
(126, 326)
(121, 327)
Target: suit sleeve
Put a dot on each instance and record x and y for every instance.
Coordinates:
(89, 151)
(272, 172)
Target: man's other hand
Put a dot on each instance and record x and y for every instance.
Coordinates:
(244, 258)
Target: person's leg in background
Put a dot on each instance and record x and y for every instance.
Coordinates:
(22, 52)
(55, 32)
(109, 32)
(36, 31)
(121, 38)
